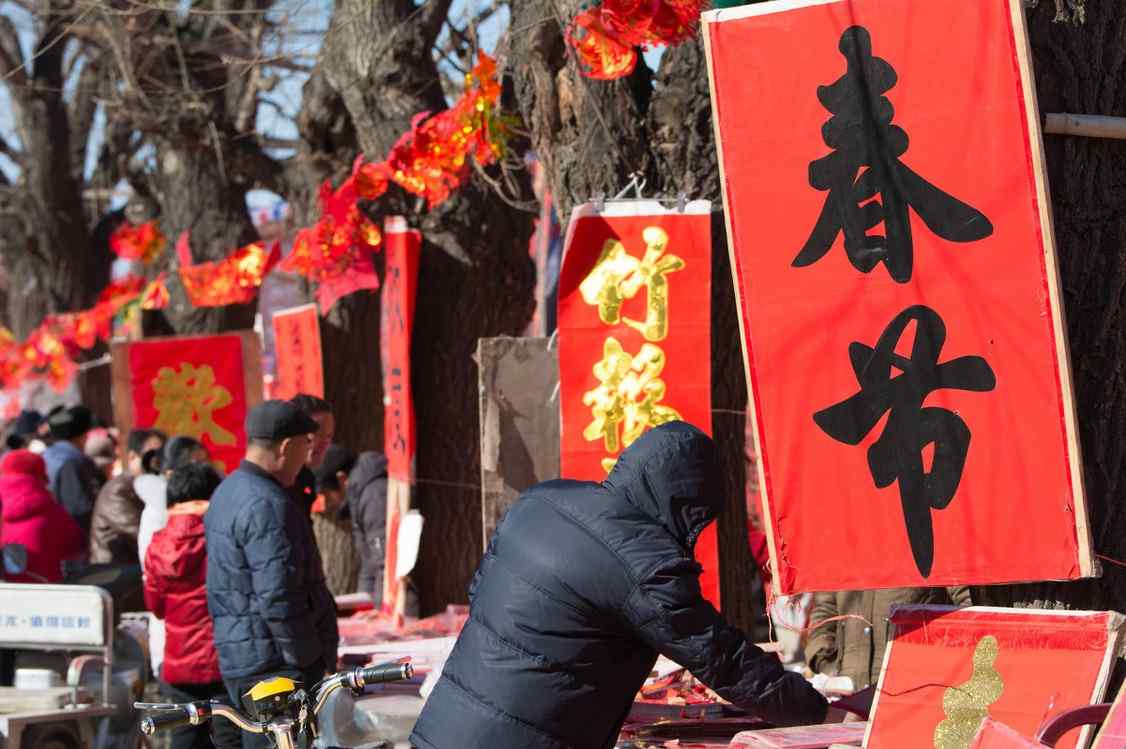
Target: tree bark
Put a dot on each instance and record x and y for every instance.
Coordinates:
(1079, 55)
(590, 135)
(475, 276)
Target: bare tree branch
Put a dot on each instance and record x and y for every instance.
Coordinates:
(12, 69)
(434, 15)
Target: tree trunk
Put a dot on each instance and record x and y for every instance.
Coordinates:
(590, 136)
(1079, 60)
(475, 276)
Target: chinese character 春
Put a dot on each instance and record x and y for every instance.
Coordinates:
(898, 454)
(865, 163)
(627, 399)
(618, 276)
(186, 401)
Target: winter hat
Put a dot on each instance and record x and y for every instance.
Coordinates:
(71, 423)
(23, 463)
(28, 422)
(101, 449)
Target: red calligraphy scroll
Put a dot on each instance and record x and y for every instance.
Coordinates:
(201, 387)
(297, 349)
(635, 336)
(903, 334)
(946, 670)
(402, 247)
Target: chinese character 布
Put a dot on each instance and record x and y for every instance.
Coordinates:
(618, 276)
(186, 401)
(865, 162)
(898, 453)
(628, 398)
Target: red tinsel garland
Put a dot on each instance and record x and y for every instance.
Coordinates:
(605, 37)
(143, 243)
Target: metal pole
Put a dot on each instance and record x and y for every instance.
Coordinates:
(1085, 125)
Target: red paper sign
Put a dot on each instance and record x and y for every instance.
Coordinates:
(947, 669)
(994, 735)
(635, 336)
(899, 295)
(400, 285)
(297, 350)
(195, 387)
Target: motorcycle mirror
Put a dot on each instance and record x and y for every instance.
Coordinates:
(15, 559)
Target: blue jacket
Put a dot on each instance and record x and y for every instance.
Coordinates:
(73, 479)
(266, 588)
(581, 587)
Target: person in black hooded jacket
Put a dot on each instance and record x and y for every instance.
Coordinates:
(367, 503)
(581, 587)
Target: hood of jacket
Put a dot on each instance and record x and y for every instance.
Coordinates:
(671, 474)
(369, 467)
(178, 549)
(23, 496)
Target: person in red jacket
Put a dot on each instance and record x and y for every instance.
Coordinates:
(31, 516)
(175, 567)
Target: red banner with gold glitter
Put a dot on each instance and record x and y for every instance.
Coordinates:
(900, 303)
(297, 352)
(195, 386)
(947, 670)
(635, 335)
(402, 247)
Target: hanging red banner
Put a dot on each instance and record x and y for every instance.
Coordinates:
(297, 351)
(903, 334)
(946, 670)
(635, 336)
(201, 387)
(402, 247)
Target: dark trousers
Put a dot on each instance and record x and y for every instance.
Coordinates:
(236, 688)
(218, 732)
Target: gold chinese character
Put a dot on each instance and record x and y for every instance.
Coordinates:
(967, 705)
(627, 400)
(185, 402)
(618, 276)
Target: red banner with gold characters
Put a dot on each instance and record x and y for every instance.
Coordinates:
(903, 331)
(297, 351)
(201, 387)
(946, 670)
(402, 248)
(635, 336)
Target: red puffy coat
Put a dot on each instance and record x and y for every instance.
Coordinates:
(176, 591)
(29, 515)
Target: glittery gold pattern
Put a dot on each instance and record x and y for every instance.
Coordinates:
(967, 705)
(186, 400)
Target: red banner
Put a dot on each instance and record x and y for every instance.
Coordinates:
(902, 326)
(297, 352)
(946, 670)
(635, 336)
(402, 247)
(1112, 735)
(195, 387)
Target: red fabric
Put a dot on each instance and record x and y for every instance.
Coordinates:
(402, 248)
(297, 350)
(32, 517)
(176, 591)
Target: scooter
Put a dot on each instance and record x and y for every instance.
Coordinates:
(277, 708)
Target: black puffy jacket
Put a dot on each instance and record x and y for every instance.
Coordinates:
(266, 589)
(367, 503)
(581, 587)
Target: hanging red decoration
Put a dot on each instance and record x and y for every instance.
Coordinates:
(143, 243)
(605, 37)
(233, 280)
(155, 296)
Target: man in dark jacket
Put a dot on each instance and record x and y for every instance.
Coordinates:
(117, 510)
(266, 590)
(72, 476)
(367, 502)
(581, 587)
(304, 487)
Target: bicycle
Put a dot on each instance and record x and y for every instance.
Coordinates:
(282, 710)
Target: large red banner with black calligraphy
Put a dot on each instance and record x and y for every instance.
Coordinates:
(402, 246)
(635, 336)
(903, 332)
(201, 387)
(297, 352)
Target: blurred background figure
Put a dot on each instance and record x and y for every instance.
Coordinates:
(305, 488)
(367, 501)
(116, 519)
(72, 476)
(332, 524)
(33, 518)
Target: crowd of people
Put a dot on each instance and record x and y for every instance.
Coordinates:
(231, 569)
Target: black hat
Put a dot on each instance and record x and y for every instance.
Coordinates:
(277, 420)
(67, 424)
(28, 422)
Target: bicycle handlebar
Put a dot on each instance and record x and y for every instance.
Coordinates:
(384, 672)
